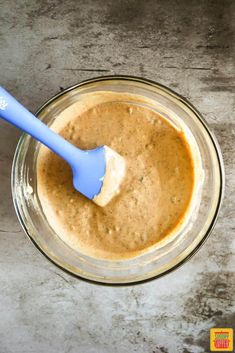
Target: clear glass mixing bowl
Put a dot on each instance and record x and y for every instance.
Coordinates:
(152, 264)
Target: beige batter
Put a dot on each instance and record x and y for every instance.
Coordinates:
(155, 194)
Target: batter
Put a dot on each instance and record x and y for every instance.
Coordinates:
(155, 194)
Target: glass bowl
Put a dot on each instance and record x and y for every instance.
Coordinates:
(161, 259)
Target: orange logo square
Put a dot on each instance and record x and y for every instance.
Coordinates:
(221, 339)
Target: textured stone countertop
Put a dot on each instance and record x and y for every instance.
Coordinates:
(47, 45)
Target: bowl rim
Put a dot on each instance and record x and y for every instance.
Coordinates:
(211, 135)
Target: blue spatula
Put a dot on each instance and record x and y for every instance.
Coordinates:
(97, 173)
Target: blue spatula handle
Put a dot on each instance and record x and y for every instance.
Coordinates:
(13, 112)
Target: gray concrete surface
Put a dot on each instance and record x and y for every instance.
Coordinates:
(46, 46)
